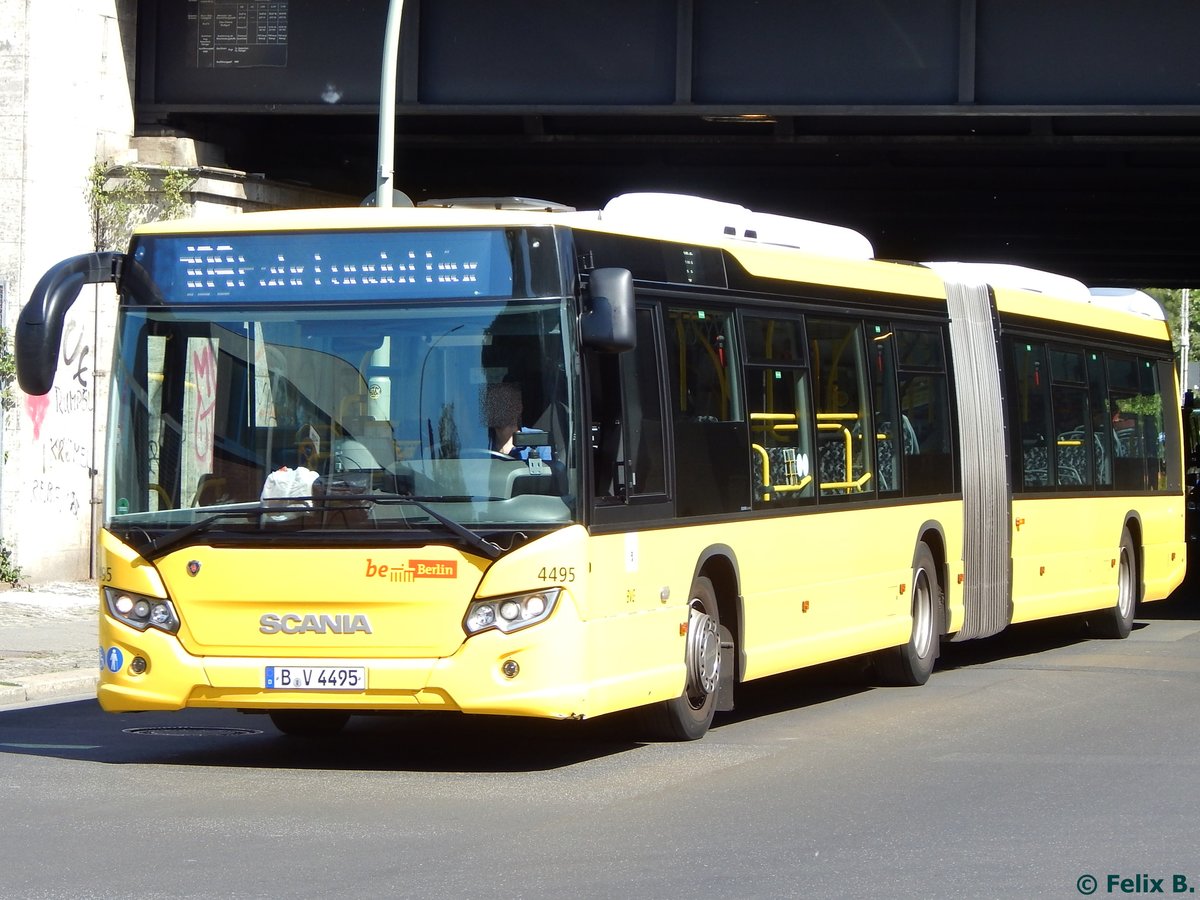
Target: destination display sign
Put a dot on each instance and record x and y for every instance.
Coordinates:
(300, 267)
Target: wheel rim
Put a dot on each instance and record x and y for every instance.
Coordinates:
(703, 656)
(922, 614)
(1125, 586)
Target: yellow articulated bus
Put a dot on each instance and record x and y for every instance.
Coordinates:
(503, 457)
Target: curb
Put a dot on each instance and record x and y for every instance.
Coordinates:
(48, 686)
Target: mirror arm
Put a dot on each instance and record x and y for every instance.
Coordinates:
(39, 328)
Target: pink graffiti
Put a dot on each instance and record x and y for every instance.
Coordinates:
(36, 407)
(205, 366)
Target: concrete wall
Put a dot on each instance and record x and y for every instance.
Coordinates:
(66, 88)
(66, 70)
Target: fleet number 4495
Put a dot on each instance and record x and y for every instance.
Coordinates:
(557, 574)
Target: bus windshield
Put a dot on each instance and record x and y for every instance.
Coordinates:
(394, 418)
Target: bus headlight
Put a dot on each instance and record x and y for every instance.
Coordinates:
(510, 613)
(140, 612)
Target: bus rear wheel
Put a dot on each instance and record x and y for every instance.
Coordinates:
(1117, 621)
(688, 716)
(309, 722)
(911, 664)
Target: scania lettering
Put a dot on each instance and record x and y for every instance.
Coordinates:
(291, 623)
(504, 457)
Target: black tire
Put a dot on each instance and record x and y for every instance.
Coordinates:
(688, 716)
(309, 722)
(911, 664)
(1117, 621)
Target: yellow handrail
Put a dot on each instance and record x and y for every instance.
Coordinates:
(783, 422)
(847, 485)
(848, 448)
(786, 422)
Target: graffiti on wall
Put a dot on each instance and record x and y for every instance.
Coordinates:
(75, 352)
(36, 407)
(63, 431)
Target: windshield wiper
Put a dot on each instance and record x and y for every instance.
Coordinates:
(153, 548)
(472, 539)
(486, 547)
(156, 547)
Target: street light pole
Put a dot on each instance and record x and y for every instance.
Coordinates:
(1185, 340)
(385, 173)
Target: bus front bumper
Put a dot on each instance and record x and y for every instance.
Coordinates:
(538, 671)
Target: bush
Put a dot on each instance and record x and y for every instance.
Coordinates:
(10, 572)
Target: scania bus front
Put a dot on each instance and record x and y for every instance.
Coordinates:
(343, 468)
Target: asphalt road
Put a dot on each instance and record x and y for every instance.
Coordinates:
(1030, 763)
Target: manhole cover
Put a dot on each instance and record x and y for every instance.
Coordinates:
(192, 731)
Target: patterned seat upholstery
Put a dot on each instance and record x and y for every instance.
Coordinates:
(885, 456)
(831, 461)
(1037, 467)
(1072, 465)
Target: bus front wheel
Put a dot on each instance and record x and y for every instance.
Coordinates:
(688, 716)
(911, 664)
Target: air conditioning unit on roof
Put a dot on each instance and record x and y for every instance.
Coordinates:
(1130, 300)
(680, 216)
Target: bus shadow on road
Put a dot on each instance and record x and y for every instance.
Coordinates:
(1183, 604)
(1016, 641)
(798, 690)
(444, 742)
(844, 678)
(1030, 638)
(406, 742)
(440, 742)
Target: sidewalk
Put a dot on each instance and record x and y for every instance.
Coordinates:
(49, 645)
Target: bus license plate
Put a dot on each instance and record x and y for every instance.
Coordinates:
(316, 678)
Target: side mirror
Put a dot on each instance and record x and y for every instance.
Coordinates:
(40, 325)
(608, 322)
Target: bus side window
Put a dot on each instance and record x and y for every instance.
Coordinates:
(607, 438)
(841, 393)
(1029, 378)
(627, 422)
(777, 396)
(1073, 454)
(643, 411)
(894, 434)
(712, 465)
(1102, 426)
(924, 432)
(1135, 406)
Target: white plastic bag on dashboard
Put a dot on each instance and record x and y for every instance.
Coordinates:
(284, 484)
